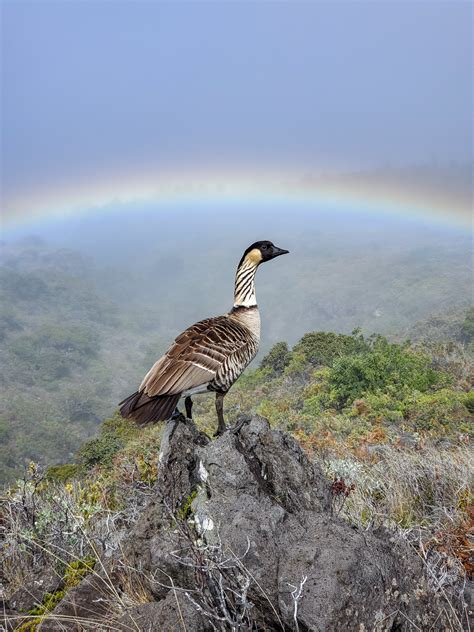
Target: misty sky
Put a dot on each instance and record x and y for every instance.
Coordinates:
(93, 87)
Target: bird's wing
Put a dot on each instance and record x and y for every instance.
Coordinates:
(194, 358)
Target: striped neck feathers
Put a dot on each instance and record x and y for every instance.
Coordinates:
(244, 292)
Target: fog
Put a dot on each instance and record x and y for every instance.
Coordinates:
(343, 271)
(95, 90)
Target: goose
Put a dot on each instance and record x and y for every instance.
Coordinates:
(208, 356)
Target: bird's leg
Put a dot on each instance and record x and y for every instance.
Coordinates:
(221, 428)
(177, 415)
(188, 403)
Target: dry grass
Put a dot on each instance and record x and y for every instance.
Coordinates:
(404, 488)
(426, 495)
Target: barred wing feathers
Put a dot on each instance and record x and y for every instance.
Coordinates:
(195, 359)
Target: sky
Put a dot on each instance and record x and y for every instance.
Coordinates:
(105, 92)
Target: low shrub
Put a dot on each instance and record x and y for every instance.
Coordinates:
(62, 473)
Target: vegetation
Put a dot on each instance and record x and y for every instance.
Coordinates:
(77, 335)
(322, 348)
(52, 352)
(59, 338)
(74, 573)
(467, 327)
(391, 423)
(277, 359)
(380, 367)
(351, 385)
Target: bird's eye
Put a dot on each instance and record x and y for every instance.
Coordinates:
(264, 247)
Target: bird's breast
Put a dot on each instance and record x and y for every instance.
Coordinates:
(250, 318)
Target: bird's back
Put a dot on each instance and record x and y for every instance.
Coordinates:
(210, 352)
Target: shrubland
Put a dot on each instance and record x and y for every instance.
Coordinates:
(60, 337)
(390, 419)
(391, 424)
(77, 334)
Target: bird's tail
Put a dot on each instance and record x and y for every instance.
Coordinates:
(144, 409)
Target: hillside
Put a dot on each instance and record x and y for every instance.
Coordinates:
(366, 432)
(60, 337)
(77, 332)
(241, 533)
(456, 325)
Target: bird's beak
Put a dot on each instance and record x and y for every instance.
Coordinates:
(276, 252)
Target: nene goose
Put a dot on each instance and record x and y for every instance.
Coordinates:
(208, 356)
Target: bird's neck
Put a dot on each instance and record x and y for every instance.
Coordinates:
(244, 292)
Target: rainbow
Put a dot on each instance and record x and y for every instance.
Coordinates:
(359, 192)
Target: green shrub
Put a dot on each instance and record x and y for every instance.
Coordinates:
(321, 348)
(62, 473)
(386, 407)
(101, 450)
(467, 328)
(384, 365)
(298, 365)
(77, 570)
(441, 413)
(277, 359)
(251, 380)
(114, 434)
(468, 402)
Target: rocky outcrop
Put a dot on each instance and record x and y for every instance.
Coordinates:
(240, 535)
(252, 506)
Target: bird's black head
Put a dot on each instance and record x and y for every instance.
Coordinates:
(261, 251)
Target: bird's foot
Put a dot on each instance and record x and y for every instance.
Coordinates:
(178, 416)
(181, 417)
(241, 421)
(189, 421)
